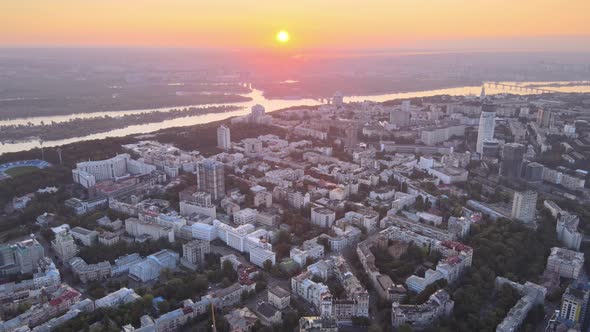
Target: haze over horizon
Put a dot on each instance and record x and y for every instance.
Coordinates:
(331, 25)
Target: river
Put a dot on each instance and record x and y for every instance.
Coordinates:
(257, 98)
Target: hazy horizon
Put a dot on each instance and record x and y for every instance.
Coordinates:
(330, 24)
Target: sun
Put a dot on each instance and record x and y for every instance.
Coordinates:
(282, 36)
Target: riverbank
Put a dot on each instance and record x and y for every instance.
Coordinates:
(84, 127)
(256, 96)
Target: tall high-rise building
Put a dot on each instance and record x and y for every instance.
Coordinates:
(351, 136)
(257, 110)
(512, 157)
(21, 257)
(487, 124)
(575, 305)
(545, 118)
(338, 99)
(490, 148)
(399, 118)
(223, 137)
(524, 206)
(406, 105)
(210, 178)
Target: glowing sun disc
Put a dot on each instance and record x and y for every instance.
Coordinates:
(283, 36)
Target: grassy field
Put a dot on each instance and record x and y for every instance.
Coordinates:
(18, 171)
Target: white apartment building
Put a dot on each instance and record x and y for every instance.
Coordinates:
(136, 228)
(567, 263)
(117, 298)
(204, 231)
(223, 137)
(524, 206)
(87, 173)
(233, 237)
(279, 297)
(64, 246)
(309, 290)
(151, 266)
(323, 217)
(245, 216)
(310, 249)
(436, 136)
(260, 255)
(85, 236)
(188, 208)
(487, 124)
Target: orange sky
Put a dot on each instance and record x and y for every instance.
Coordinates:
(311, 23)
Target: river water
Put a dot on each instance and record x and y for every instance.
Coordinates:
(257, 98)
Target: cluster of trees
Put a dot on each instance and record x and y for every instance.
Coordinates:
(400, 269)
(100, 253)
(502, 248)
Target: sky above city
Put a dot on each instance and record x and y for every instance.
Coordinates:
(350, 24)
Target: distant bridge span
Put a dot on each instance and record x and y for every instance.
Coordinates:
(514, 87)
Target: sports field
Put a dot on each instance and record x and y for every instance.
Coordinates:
(18, 171)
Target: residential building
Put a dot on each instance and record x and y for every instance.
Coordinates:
(323, 217)
(64, 246)
(194, 252)
(223, 137)
(108, 238)
(268, 314)
(90, 272)
(85, 236)
(512, 157)
(566, 263)
(318, 324)
(531, 295)
(204, 232)
(117, 298)
(137, 228)
(151, 266)
(487, 124)
(279, 297)
(566, 228)
(524, 206)
(258, 256)
(210, 178)
(422, 315)
(241, 320)
(575, 305)
(245, 216)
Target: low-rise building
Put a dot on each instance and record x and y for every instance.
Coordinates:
(242, 320)
(64, 246)
(423, 315)
(258, 256)
(531, 295)
(151, 266)
(193, 253)
(279, 297)
(323, 217)
(566, 263)
(116, 298)
(245, 216)
(85, 236)
(90, 272)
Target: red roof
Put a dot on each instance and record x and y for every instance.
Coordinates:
(63, 298)
(458, 246)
